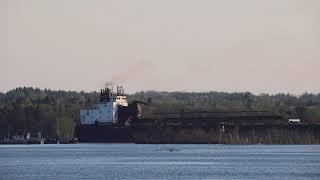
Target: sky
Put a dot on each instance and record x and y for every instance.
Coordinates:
(268, 46)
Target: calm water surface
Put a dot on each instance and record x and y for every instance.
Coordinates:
(132, 161)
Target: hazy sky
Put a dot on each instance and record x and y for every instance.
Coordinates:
(174, 45)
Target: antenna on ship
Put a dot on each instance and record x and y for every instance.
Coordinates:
(120, 91)
(105, 95)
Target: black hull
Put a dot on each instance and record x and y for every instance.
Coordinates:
(230, 134)
(103, 133)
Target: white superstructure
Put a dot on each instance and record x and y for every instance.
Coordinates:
(106, 111)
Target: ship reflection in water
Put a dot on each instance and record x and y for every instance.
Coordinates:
(158, 161)
(167, 149)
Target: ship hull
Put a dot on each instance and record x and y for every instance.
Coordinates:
(214, 134)
(103, 133)
(229, 134)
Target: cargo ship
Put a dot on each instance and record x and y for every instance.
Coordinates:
(114, 119)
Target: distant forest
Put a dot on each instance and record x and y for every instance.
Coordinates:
(55, 113)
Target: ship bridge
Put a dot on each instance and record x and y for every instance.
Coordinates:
(106, 110)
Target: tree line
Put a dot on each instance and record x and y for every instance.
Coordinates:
(55, 113)
(52, 113)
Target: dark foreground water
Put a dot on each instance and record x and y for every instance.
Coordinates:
(132, 161)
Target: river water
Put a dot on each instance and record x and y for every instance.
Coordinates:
(137, 161)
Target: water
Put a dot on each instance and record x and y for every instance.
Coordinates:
(132, 161)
